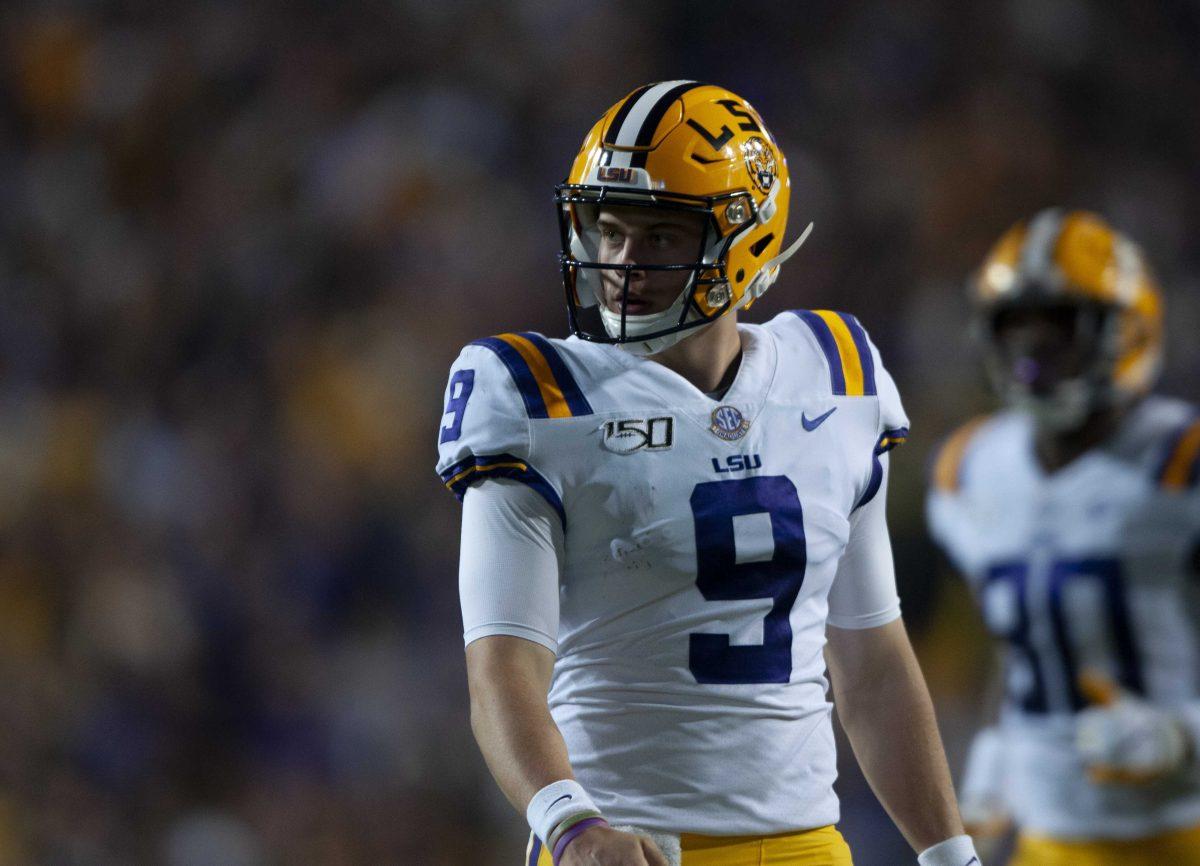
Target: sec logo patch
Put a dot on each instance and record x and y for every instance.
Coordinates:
(729, 423)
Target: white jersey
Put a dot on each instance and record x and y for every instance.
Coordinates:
(702, 538)
(1092, 567)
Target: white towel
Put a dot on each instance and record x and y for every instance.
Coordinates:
(668, 843)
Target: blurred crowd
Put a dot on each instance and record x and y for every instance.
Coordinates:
(240, 244)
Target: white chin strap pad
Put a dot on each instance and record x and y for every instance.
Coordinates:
(757, 288)
(587, 280)
(770, 270)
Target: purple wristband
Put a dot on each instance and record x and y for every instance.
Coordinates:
(570, 835)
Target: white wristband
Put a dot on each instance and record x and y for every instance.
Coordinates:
(554, 804)
(956, 851)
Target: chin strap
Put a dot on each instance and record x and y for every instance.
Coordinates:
(770, 270)
(764, 280)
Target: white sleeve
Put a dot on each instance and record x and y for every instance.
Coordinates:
(509, 565)
(863, 594)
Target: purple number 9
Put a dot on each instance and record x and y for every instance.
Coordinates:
(461, 385)
(720, 577)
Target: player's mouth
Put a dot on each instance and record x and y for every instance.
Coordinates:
(634, 306)
(639, 301)
(635, 303)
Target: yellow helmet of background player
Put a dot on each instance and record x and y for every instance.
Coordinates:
(690, 147)
(1075, 259)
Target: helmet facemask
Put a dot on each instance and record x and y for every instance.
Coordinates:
(1054, 360)
(599, 293)
(676, 146)
(1078, 275)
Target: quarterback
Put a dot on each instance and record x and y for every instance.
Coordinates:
(663, 513)
(1075, 515)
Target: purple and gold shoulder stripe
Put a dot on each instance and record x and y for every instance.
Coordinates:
(1180, 465)
(844, 343)
(546, 385)
(889, 440)
(949, 457)
(473, 469)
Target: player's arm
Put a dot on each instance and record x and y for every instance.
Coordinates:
(508, 679)
(512, 543)
(885, 709)
(881, 697)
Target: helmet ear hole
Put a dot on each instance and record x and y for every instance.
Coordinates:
(741, 274)
(756, 248)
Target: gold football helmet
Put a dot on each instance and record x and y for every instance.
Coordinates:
(1075, 264)
(684, 146)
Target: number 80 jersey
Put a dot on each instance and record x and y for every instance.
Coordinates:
(1091, 567)
(702, 538)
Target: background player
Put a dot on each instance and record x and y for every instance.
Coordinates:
(677, 505)
(1076, 517)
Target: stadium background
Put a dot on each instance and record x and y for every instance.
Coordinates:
(240, 245)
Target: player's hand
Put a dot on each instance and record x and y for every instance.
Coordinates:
(603, 846)
(1125, 740)
(981, 798)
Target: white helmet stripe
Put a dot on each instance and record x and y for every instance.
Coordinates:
(627, 135)
(1037, 253)
(1129, 267)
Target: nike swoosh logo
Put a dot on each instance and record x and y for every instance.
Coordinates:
(570, 797)
(972, 860)
(813, 425)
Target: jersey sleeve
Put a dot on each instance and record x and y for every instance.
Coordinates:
(945, 515)
(864, 594)
(509, 565)
(893, 420)
(855, 369)
(484, 431)
(892, 427)
(1178, 469)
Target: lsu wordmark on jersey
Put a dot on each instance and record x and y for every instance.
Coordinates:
(701, 542)
(1089, 569)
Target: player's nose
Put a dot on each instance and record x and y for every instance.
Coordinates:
(628, 254)
(631, 253)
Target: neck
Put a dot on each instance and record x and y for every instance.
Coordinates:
(706, 358)
(1057, 448)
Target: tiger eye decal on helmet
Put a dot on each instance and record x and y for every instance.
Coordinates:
(760, 163)
(1075, 260)
(688, 148)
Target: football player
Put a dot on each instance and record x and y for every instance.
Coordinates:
(662, 514)
(1075, 515)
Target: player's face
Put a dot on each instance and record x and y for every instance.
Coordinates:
(645, 236)
(1041, 346)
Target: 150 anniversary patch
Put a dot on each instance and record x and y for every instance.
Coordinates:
(636, 434)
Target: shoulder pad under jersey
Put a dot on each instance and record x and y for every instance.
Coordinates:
(497, 387)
